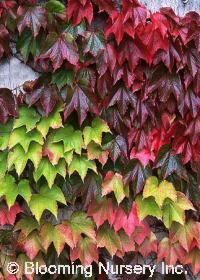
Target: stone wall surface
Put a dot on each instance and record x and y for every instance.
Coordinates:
(181, 7)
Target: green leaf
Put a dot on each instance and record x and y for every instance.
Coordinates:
(95, 132)
(173, 213)
(5, 131)
(3, 164)
(108, 238)
(27, 45)
(46, 200)
(81, 164)
(147, 207)
(53, 120)
(75, 30)
(28, 117)
(80, 223)
(94, 43)
(49, 171)
(55, 7)
(72, 139)
(10, 190)
(68, 156)
(24, 190)
(20, 136)
(63, 77)
(8, 187)
(27, 225)
(159, 191)
(18, 158)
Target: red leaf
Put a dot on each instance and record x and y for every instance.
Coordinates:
(171, 252)
(81, 104)
(139, 15)
(86, 251)
(6, 5)
(172, 56)
(4, 41)
(149, 245)
(189, 103)
(8, 216)
(132, 52)
(105, 5)
(192, 60)
(132, 221)
(8, 105)
(31, 245)
(117, 148)
(78, 11)
(102, 211)
(159, 21)
(123, 98)
(144, 156)
(119, 25)
(154, 35)
(106, 59)
(131, 15)
(166, 84)
(60, 51)
(45, 95)
(33, 17)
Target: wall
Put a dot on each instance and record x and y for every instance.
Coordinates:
(178, 5)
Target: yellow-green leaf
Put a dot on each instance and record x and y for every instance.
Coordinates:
(46, 199)
(23, 138)
(94, 133)
(28, 117)
(159, 191)
(49, 171)
(147, 207)
(53, 120)
(81, 164)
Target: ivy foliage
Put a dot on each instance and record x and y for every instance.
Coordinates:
(99, 156)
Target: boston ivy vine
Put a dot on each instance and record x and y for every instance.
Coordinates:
(100, 156)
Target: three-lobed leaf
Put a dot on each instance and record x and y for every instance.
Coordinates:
(159, 191)
(72, 139)
(108, 238)
(11, 190)
(114, 182)
(81, 165)
(46, 199)
(49, 171)
(80, 224)
(94, 133)
(59, 235)
(28, 117)
(22, 137)
(18, 158)
(53, 120)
